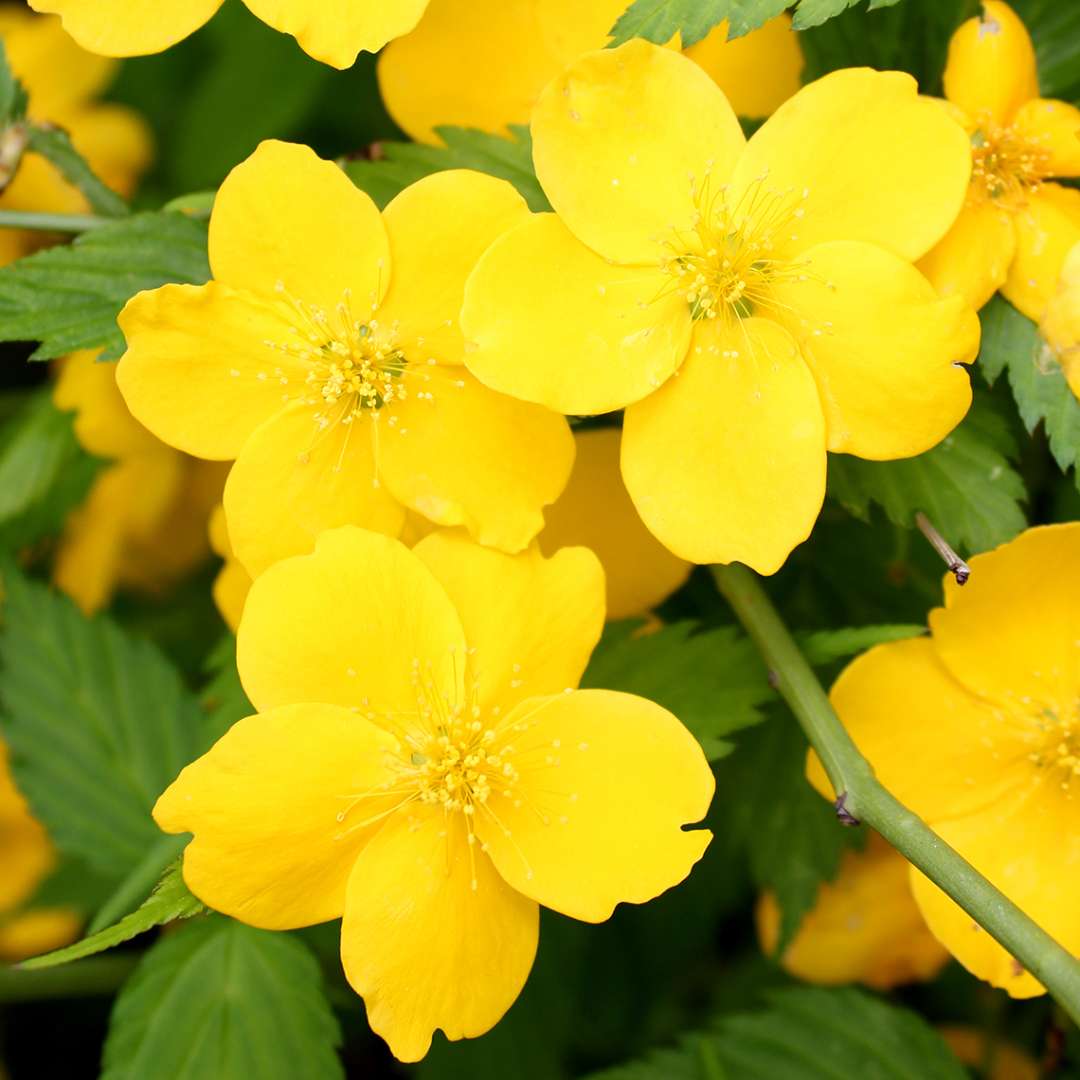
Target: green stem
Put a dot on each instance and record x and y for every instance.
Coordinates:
(135, 888)
(862, 797)
(98, 975)
(66, 223)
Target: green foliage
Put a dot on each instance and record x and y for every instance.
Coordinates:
(815, 12)
(401, 164)
(1055, 29)
(806, 1034)
(55, 144)
(12, 94)
(221, 1000)
(68, 297)
(965, 485)
(98, 724)
(661, 20)
(826, 646)
(223, 698)
(170, 900)
(711, 679)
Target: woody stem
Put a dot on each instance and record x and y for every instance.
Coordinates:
(862, 798)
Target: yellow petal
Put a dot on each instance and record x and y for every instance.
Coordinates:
(466, 455)
(607, 782)
(571, 28)
(40, 930)
(936, 747)
(1012, 634)
(116, 142)
(864, 926)
(103, 425)
(129, 27)
(287, 223)
(595, 512)
(984, 1050)
(726, 462)
(990, 70)
(1054, 126)
(972, 259)
(1061, 324)
(432, 936)
(278, 807)
(1028, 845)
(344, 626)
(1046, 229)
(621, 141)
(233, 582)
(530, 623)
(197, 371)
(547, 320)
(883, 347)
(24, 845)
(438, 228)
(759, 71)
(293, 480)
(893, 171)
(335, 31)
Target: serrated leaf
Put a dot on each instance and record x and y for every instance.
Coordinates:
(68, 297)
(815, 12)
(220, 999)
(55, 144)
(98, 723)
(1006, 336)
(170, 900)
(823, 647)
(807, 1033)
(712, 680)
(661, 20)
(965, 485)
(405, 163)
(12, 95)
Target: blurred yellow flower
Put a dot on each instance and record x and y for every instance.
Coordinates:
(425, 770)
(1015, 227)
(986, 1052)
(326, 358)
(595, 511)
(1061, 321)
(62, 82)
(232, 582)
(864, 928)
(976, 729)
(773, 277)
(333, 31)
(143, 524)
(428, 77)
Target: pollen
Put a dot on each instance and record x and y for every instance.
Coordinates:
(1058, 750)
(1006, 166)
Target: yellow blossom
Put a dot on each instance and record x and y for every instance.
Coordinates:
(333, 31)
(976, 728)
(772, 277)
(62, 82)
(326, 357)
(232, 582)
(1061, 321)
(864, 927)
(595, 511)
(143, 523)
(428, 77)
(1016, 226)
(422, 767)
(987, 1052)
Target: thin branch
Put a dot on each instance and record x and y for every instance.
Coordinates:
(65, 223)
(957, 567)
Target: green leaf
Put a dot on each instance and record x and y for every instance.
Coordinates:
(808, 1033)
(660, 20)
(826, 646)
(1006, 335)
(1055, 30)
(12, 95)
(68, 297)
(405, 163)
(98, 723)
(170, 900)
(965, 485)
(55, 144)
(223, 1000)
(712, 680)
(223, 698)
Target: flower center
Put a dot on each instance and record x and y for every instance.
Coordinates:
(726, 265)
(1059, 744)
(1006, 166)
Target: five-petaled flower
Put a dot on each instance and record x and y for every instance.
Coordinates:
(977, 729)
(421, 766)
(1015, 227)
(326, 357)
(772, 277)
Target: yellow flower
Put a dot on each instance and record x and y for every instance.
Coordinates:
(864, 928)
(778, 269)
(143, 523)
(421, 766)
(1061, 320)
(62, 82)
(977, 729)
(985, 1051)
(326, 358)
(232, 582)
(428, 78)
(333, 31)
(1015, 227)
(595, 511)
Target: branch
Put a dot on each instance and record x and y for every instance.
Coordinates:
(69, 223)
